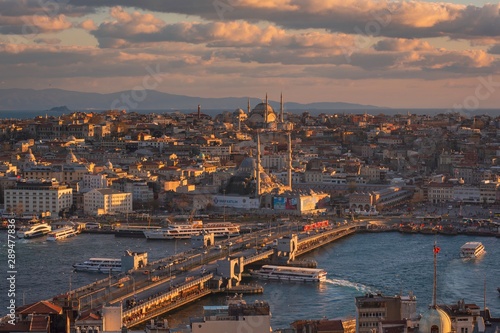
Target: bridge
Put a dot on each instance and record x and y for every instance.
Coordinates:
(170, 300)
(184, 278)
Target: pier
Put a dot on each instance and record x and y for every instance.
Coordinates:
(172, 282)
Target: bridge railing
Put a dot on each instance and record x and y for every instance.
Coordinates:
(257, 257)
(167, 295)
(156, 312)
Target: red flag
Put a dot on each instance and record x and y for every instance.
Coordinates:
(436, 249)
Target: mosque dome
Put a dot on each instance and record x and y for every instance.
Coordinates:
(262, 115)
(238, 112)
(435, 320)
(262, 108)
(248, 165)
(109, 165)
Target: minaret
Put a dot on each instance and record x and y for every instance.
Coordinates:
(248, 106)
(282, 115)
(434, 287)
(199, 111)
(257, 166)
(289, 166)
(265, 112)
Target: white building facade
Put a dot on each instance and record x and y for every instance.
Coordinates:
(36, 197)
(106, 201)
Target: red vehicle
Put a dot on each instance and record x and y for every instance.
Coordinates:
(316, 225)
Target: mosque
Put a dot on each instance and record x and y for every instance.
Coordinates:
(250, 187)
(262, 116)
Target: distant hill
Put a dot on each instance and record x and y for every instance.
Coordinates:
(30, 99)
(63, 109)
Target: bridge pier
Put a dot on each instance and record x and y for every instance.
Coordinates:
(287, 248)
(231, 270)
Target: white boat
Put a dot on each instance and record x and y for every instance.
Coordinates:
(286, 273)
(103, 265)
(185, 231)
(62, 233)
(471, 250)
(34, 230)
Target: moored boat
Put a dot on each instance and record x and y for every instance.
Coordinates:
(286, 273)
(133, 231)
(34, 230)
(102, 265)
(62, 233)
(187, 230)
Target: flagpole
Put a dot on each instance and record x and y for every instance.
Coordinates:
(434, 287)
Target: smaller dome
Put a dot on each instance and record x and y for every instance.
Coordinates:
(435, 320)
(238, 112)
(71, 138)
(247, 165)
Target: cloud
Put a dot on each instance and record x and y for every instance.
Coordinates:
(406, 19)
(402, 45)
(88, 25)
(495, 49)
(50, 41)
(32, 25)
(135, 28)
(44, 8)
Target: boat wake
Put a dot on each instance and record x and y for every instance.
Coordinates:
(345, 283)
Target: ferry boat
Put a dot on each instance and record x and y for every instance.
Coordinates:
(185, 231)
(471, 250)
(102, 265)
(62, 233)
(34, 230)
(135, 231)
(286, 273)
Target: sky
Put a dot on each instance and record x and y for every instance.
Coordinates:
(399, 54)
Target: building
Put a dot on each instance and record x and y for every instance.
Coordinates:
(236, 316)
(440, 192)
(106, 201)
(91, 181)
(36, 197)
(374, 311)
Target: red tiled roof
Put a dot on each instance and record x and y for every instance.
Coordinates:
(42, 307)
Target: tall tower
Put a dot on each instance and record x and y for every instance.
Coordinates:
(257, 167)
(265, 112)
(199, 111)
(282, 112)
(289, 166)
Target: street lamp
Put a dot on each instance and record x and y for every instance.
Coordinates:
(133, 284)
(170, 275)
